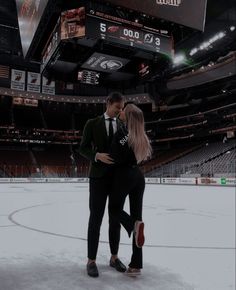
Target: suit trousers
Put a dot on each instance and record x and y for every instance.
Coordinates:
(128, 180)
(100, 189)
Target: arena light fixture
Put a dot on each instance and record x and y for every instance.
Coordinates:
(193, 51)
(179, 59)
(208, 44)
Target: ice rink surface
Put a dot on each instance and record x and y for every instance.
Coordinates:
(190, 239)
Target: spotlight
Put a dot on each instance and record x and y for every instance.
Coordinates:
(178, 59)
(193, 51)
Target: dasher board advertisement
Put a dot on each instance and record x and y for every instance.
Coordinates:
(190, 13)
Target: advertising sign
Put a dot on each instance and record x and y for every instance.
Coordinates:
(104, 62)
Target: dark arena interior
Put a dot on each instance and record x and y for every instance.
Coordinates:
(60, 59)
(59, 212)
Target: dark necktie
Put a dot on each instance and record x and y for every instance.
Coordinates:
(111, 131)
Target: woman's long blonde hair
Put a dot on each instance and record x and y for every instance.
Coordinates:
(137, 137)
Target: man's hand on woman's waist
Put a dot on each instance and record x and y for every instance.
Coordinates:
(104, 157)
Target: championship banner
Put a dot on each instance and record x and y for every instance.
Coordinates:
(187, 12)
(17, 80)
(48, 87)
(33, 82)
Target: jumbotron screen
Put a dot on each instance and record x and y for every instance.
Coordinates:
(117, 32)
(187, 12)
(29, 16)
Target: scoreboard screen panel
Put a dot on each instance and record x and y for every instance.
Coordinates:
(117, 32)
(190, 13)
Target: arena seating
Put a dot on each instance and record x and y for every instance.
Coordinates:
(213, 158)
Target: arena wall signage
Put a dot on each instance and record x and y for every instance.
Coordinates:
(187, 12)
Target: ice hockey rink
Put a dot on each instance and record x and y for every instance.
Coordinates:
(190, 239)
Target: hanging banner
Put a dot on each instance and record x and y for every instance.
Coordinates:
(33, 82)
(187, 12)
(17, 80)
(48, 87)
(29, 15)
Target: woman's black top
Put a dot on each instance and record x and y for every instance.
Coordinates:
(120, 150)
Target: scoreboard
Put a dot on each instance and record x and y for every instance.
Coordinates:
(117, 32)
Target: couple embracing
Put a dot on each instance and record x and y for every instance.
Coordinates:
(115, 143)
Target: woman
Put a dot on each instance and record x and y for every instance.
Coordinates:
(130, 146)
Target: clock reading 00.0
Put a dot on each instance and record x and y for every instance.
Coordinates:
(116, 32)
(130, 35)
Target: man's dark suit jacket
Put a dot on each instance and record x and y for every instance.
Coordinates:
(95, 140)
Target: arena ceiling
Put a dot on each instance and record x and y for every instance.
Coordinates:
(220, 15)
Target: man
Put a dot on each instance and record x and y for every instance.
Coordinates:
(95, 144)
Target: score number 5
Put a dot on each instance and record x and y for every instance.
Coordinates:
(103, 27)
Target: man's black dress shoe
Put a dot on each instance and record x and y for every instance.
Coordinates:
(92, 269)
(118, 265)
